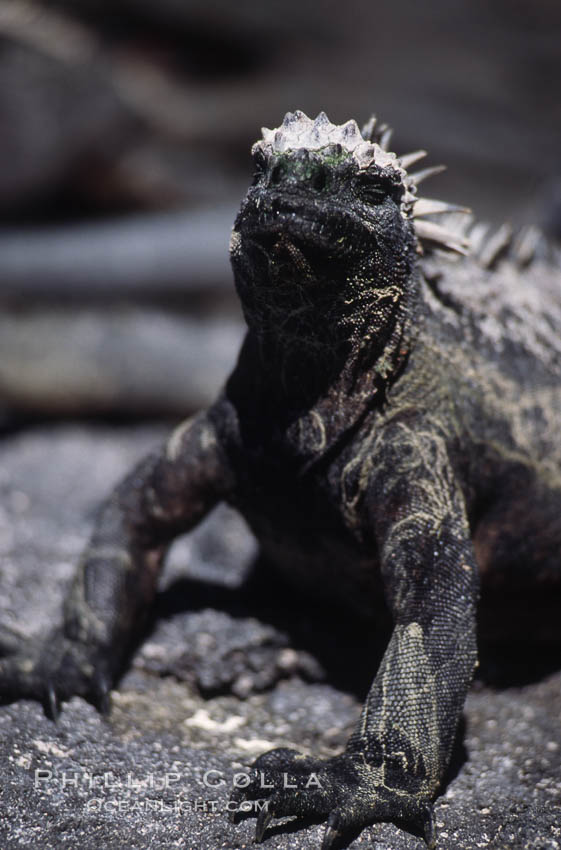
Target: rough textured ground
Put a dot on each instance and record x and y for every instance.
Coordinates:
(271, 673)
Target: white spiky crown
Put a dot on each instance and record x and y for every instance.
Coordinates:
(369, 147)
(299, 131)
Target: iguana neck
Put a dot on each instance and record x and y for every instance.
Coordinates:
(323, 382)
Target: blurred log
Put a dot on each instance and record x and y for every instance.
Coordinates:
(153, 255)
(125, 362)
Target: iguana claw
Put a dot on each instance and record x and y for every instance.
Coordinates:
(429, 827)
(263, 820)
(51, 702)
(101, 694)
(330, 837)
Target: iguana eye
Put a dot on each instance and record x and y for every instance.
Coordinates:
(374, 188)
(371, 190)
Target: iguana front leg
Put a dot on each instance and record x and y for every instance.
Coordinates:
(395, 760)
(167, 494)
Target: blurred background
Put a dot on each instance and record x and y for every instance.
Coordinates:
(125, 128)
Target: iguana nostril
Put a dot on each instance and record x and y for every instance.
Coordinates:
(319, 179)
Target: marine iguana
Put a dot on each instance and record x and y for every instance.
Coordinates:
(391, 433)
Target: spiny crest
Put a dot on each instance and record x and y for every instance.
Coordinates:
(368, 147)
(490, 246)
(299, 131)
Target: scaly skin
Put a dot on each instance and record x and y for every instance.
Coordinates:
(391, 428)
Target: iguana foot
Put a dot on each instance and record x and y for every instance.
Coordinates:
(51, 670)
(344, 790)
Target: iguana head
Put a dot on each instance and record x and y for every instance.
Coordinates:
(324, 246)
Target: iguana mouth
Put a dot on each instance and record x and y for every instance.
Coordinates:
(296, 234)
(291, 225)
(282, 242)
(311, 260)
